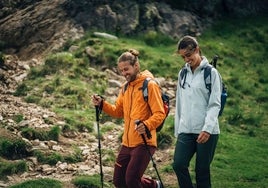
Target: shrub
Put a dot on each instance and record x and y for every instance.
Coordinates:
(21, 90)
(18, 118)
(54, 133)
(32, 134)
(54, 157)
(32, 99)
(86, 181)
(9, 168)
(53, 64)
(74, 158)
(39, 183)
(48, 158)
(16, 149)
(57, 62)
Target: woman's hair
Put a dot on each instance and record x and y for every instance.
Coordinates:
(131, 56)
(189, 43)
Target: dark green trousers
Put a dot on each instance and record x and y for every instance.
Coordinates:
(186, 147)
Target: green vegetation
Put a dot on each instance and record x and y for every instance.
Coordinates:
(32, 134)
(87, 181)
(13, 149)
(66, 81)
(240, 161)
(52, 158)
(39, 183)
(18, 118)
(11, 167)
(165, 137)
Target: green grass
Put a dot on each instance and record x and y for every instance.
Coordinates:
(39, 183)
(240, 161)
(241, 155)
(32, 134)
(89, 181)
(11, 167)
(12, 149)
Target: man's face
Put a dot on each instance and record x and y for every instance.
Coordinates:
(128, 71)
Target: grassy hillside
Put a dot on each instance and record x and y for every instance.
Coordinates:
(66, 82)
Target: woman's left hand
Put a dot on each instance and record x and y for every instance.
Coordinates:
(203, 137)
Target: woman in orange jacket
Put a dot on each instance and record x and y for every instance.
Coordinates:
(140, 118)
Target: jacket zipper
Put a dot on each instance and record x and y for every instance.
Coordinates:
(130, 107)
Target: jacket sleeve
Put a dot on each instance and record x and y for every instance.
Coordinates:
(214, 103)
(114, 110)
(156, 106)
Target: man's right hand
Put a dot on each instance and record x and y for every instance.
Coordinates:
(96, 99)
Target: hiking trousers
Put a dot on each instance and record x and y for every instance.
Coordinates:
(186, 147)
(130, 165)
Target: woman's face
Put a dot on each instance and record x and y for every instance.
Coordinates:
(192, 57)
(128, 71)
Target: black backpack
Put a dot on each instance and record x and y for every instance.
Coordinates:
(207, 79)
(165, 99)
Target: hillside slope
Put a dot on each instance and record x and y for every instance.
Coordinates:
(57, 92)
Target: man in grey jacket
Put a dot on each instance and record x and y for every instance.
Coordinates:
(196, 116)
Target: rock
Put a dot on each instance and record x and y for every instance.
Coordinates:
(2, 184)
(105, 35)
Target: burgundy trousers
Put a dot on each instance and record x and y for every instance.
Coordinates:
(130, 166)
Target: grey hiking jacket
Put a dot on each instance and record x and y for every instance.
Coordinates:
(196, 109)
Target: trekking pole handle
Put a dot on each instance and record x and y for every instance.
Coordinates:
(147, 131)
(98, 105)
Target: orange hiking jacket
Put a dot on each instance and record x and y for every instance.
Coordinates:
(131, 106)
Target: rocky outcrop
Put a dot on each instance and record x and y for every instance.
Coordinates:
(131, 17)
(34, 27)
(44, 26)
(37, 29)
(221, 8)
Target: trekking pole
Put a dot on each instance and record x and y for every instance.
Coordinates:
(98, 128)
(151, 156)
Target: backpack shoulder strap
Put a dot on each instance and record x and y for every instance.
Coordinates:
(145, 88)
(183, 74)
(207, 77)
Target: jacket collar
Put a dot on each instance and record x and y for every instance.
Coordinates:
(141, 77)
(202, 65)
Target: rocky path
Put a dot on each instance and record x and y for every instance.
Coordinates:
(12, 73)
